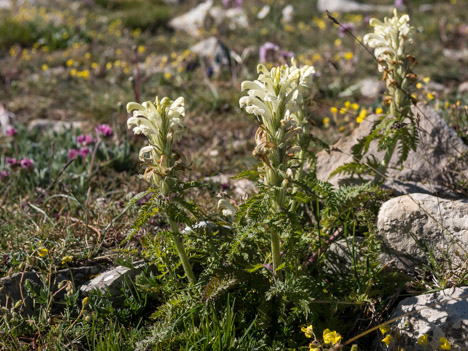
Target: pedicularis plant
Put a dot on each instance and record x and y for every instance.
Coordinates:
(276, 98)
(162, 123)
(398, 126)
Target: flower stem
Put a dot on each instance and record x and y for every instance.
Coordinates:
(275, 251)
(181, 251)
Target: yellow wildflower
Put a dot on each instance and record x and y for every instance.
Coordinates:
(422, 340)
(69, 62)
(66, 259)
(444, 344)
(430, 96)
(73, 72)
(167, 75)
(337, 42)
(347, 104)
(362, 116)
(355, 106)
(419, 85)
(326, 122)
(307, 331)
(108, 65)
(384, 329)
(45, 67)
(85, 74)
(42, 252)
(387, 340)
(331, 337)
(87, 56)
(94, 65)
(141, 49)
(426, 79)
(348, 55)
(333, 110)
(379, 110)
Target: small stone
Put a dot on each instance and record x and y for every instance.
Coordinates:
(10, 286)
(192, 21)
(214, 52)
(371, 87)
(5, 4)
(463, 87)
(416, 227)
(341, 254)
(440, 314)
(111, 280)
(348, 6)
(47, 125)
(240, 187)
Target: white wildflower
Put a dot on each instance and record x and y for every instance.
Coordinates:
(389, 37)
(162, 123)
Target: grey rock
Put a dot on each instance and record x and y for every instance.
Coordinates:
(454, 54)
(46, 125)
(438, 161)
(234, 18)
(348, 6)
(341, 255)
(371, 87)
(192, 21)
(440, 314)
(173, 2)
(240, 187)
(111, 280)
(214, 52)
(5, 4)
(417, 226)
(12, 288)
(463, 88)
(434, 86)
(5, 119)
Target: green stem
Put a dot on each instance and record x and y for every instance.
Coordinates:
(275, 251)
(298, 178)
(181, 251)
(382, 171)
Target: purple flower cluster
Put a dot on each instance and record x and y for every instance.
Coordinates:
(25, 163)
(4, 175)
(85, 139)
(74, 153)
(11, 131)
(345, 27)
(104, 130)
(226, 3)
(265, 49)
(269, 50)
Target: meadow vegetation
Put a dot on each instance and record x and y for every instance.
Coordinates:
(220, 271)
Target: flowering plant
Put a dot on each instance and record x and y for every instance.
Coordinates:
(276, 99)
(161, 122)
(389, 41)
